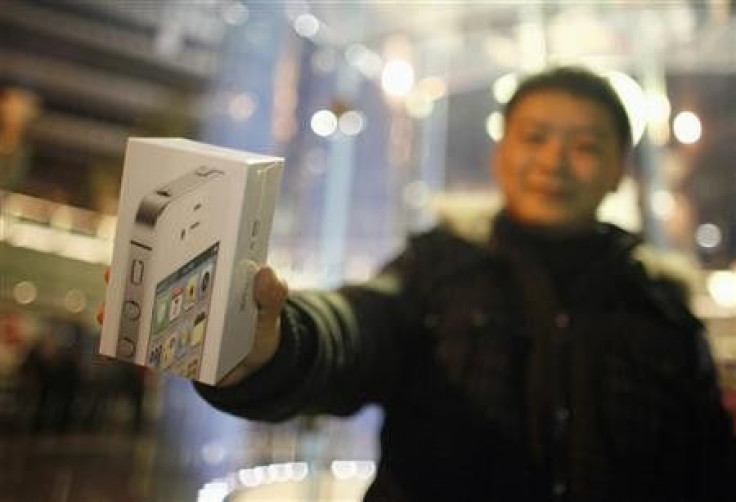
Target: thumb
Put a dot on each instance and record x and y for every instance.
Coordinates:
(269, 293)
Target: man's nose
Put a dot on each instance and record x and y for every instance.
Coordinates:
(555, 155)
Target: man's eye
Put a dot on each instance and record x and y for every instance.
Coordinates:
(533, 138)
(590, 148)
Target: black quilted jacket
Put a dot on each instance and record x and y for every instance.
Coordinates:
(520, 369)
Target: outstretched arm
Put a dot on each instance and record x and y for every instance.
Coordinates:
(329, 352)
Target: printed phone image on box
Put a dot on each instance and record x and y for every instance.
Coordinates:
(191, 234)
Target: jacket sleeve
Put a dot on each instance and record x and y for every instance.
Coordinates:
(713, 453)
(716, 444)
(339, 350)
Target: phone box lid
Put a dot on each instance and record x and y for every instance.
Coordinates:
(183, 144)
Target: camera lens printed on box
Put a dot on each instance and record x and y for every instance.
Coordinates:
(181, 310)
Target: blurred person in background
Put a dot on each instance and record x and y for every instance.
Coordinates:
(52, 373)
(105, 384)
(17, 108)
(540, 361)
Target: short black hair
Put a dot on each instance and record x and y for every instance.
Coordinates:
(579, 82)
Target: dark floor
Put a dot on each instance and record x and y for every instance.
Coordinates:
(181, 446)
(75, 467)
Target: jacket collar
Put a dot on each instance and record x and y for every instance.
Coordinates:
(475, 226)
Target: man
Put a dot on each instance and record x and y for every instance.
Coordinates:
(539, 363)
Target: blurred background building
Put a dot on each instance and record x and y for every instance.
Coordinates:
(387, 114)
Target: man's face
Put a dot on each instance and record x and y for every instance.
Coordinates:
(559, 157)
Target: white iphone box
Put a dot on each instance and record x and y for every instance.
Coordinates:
(192, 229)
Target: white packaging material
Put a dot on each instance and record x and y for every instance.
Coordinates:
(192, 229)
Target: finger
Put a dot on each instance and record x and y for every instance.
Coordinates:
(101, 314)
(101, 310)
(269, 292)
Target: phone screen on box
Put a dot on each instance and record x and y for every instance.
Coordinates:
(180, 314)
